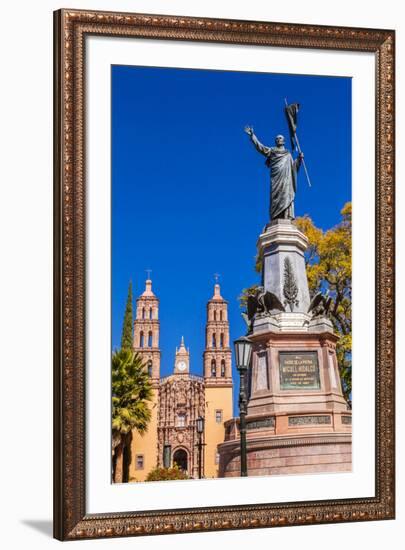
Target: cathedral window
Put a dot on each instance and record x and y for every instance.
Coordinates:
(221, 340)
(150, 313)
(218, 416)
(220, 315)
(215, 315)
(143, 313)
(139, 462)
(213, 368)
(214, 341)
(181, 420)
(223, 368)
(150, 339)
(141, 342)
(149, 368)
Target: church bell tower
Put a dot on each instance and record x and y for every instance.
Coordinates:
(146, 331)
(146, 344)
(217, 354)
(217, 362)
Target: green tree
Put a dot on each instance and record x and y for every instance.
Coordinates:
(329, 268)
(166, 474)
(126, 337)
(131, 391)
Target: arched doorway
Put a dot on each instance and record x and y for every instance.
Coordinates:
(180, 457)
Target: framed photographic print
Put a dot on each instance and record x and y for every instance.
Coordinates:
(224, 274)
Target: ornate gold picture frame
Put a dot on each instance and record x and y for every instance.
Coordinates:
(71, 517)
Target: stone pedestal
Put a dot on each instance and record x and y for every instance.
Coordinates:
(303, 453)
(298, 420)
(294, 369)
(281, 243)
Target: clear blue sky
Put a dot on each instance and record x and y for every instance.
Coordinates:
(190, 193)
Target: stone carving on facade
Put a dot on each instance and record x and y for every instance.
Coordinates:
(311, 419)
(263, 423)
(290, 288)
(180, 397)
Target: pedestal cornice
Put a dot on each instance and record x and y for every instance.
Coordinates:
(282, 232)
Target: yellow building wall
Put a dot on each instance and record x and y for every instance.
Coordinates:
(216, 398)
(145, 445)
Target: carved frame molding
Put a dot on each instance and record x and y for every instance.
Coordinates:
(70, 518)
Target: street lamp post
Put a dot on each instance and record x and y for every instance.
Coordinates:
(243, 352)
(200, 430)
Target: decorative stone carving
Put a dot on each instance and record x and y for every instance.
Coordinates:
(185, 395)
(282, 239)
(261, 423)
(305, 420)
(290, 289)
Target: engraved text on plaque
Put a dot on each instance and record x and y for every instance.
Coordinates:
(299, 371)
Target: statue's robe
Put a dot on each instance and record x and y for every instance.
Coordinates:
(283, 177)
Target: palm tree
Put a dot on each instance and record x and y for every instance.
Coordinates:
(131, 390)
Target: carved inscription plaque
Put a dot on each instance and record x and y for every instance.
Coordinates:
(262, 423)
(299, 371)
(304, 420)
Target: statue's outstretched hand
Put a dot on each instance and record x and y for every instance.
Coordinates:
(249, 130)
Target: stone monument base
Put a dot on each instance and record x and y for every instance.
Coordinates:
(297, 419)
(307, 444)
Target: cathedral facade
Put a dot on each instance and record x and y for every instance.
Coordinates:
(183, 402)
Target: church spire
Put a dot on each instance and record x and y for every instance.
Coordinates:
(217, 288)
(217, 292)
(148, 288)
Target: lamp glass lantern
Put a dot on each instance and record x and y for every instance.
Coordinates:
(200, 425)
(243, 352)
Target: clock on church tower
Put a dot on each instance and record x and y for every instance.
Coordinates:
(182, 359)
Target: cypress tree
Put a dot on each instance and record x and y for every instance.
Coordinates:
(126, 338)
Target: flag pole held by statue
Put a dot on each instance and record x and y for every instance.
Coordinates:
(291, 114)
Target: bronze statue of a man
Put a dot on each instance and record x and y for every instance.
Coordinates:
(283, 175)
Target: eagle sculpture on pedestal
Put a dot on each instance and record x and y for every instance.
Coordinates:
(320, 305)
(261, 302)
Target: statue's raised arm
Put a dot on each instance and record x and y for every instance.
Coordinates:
(263, 149)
